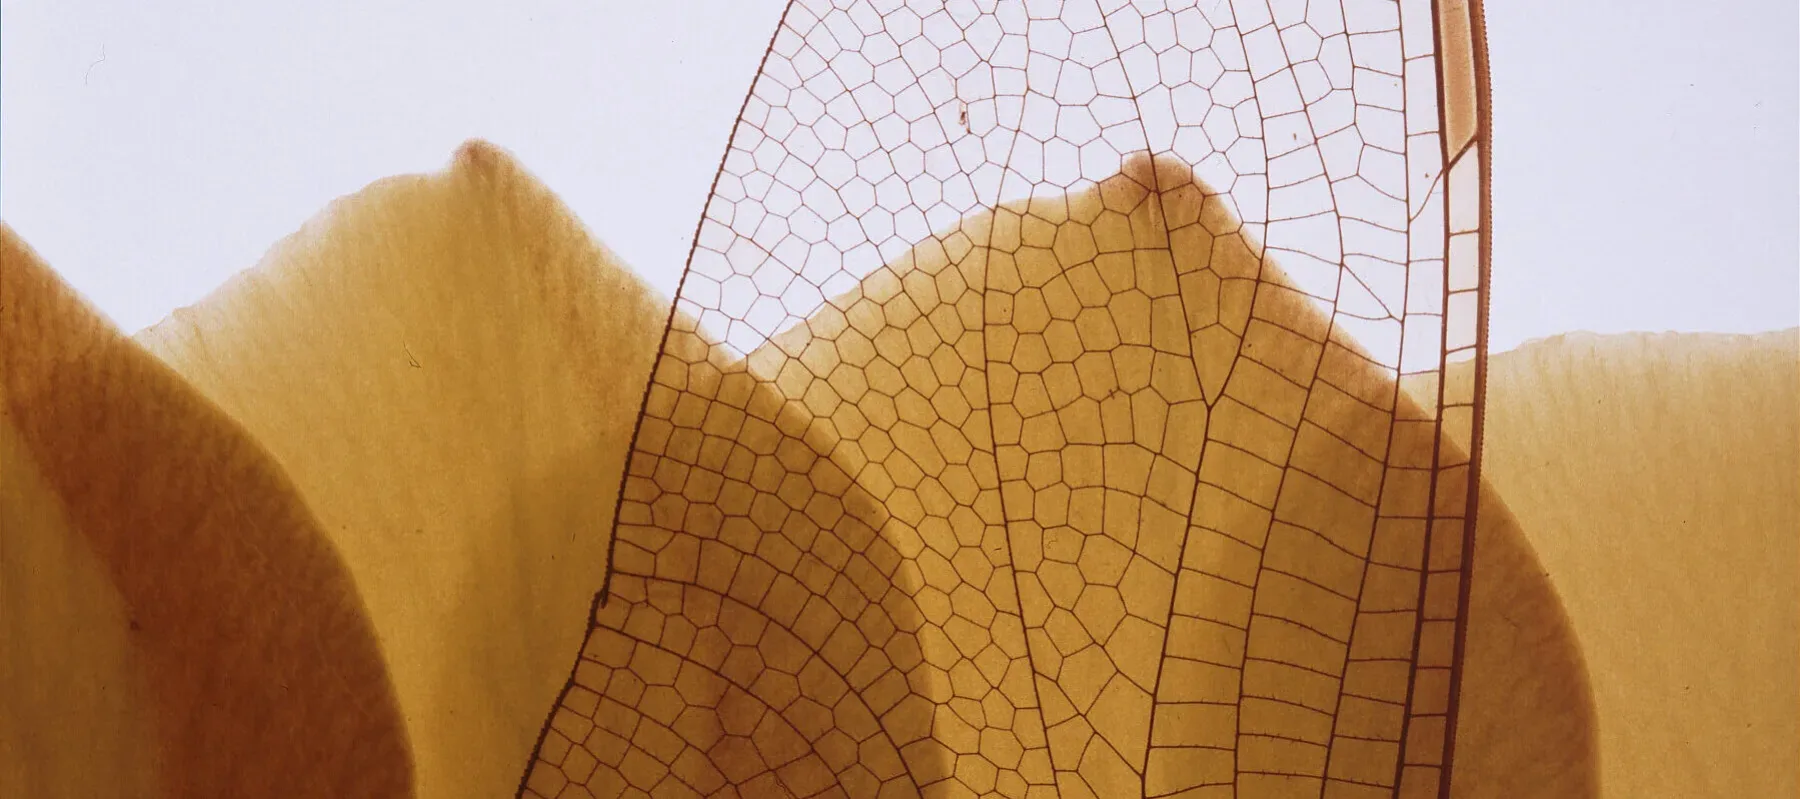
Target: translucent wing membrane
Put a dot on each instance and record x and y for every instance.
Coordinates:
(1052, 407)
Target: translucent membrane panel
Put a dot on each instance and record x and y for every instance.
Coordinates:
(1054, 404)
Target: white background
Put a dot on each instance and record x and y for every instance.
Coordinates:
(1647, 165)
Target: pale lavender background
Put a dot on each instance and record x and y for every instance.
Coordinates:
(1647, 162)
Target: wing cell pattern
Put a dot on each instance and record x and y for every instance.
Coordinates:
(1034, 417)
